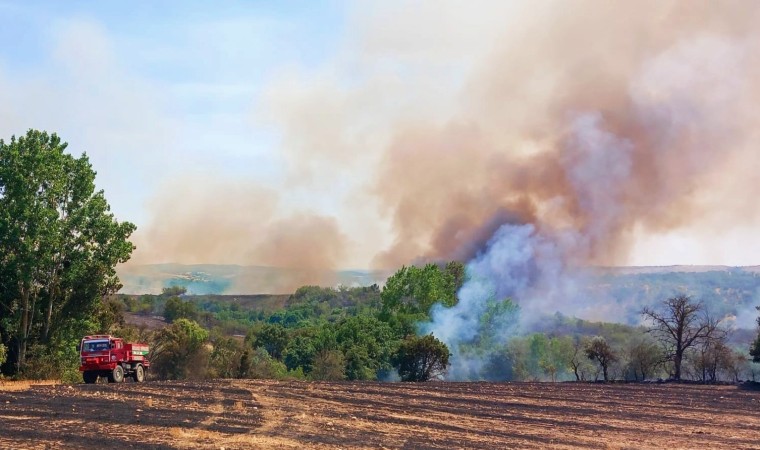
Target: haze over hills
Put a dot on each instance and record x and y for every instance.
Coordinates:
(614, 294)
(235, 279)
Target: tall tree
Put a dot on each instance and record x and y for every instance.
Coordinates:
(679, 325)
(59, 243)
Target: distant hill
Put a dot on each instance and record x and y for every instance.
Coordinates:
(671, 269)
(202, 279)
(732, 291)
(611, 293)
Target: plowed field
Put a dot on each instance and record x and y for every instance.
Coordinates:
(234, 414)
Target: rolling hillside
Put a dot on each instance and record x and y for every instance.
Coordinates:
(622, 291)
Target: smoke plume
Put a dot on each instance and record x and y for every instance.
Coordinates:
(206, 221)
(531, 139)
(598, 123)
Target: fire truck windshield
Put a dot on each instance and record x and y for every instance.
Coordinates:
(95, 346)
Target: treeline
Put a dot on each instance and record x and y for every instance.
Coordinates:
(369, 333)
(361, 333)
(59, 245)
(357, 334)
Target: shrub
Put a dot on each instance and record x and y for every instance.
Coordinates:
(179, 351)
(421, 358)
(258, 363)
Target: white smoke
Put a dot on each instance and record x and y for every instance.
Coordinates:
(517, 263)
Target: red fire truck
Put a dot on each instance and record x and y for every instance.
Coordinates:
(103, 355)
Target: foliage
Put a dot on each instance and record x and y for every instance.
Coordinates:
(328, 365)
(497, 323)
(175, 309)
(579, 361)
(173, 291)
(553, 360)
(413, 290)
(644, 357)
(53, 361)
(597, 349)
(421, 358)
(179, 351)
(535, 357)
(257, 363)
(368, 345)
(754, 349)
(109, 316)
(271, 337)
(456, 272)
(710, 360)
(224, 361)
(59, 244)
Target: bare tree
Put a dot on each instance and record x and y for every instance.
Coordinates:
(577, 360)
(680, 326)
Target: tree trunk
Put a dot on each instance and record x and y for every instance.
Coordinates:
(48, 316)
(23, 330)
(677, 359)
(53, 292)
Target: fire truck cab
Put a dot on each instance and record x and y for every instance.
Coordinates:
(108, 356)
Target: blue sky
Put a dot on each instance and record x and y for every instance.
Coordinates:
(195, 66)
(270, 115)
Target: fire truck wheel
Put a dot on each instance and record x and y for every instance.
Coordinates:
(139, 373)
(90, 377)
(117, 375)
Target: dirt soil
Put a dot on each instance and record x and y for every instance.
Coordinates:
(234, 414)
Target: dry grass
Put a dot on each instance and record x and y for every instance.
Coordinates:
(23, 385)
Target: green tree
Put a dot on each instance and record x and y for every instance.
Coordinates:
(257, 363)
(173, 291)
(109, 316)
(553, 360)
(413, 290)
(328, 365)
(175, 308)
(456, 273)
(421, 358)
(224, 361)
(754, 349)
(577, 360)
(368, 345)
(300, 353)
(178, 351)
(271, 337)
(644, 356)
(597, 349)
(59, 244)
